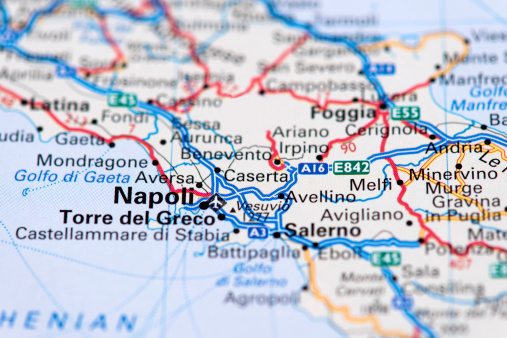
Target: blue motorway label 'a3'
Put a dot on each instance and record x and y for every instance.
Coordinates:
(313, 168)
(403, 303)
(257, 232)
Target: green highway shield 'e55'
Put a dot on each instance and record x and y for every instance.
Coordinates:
(406, 113)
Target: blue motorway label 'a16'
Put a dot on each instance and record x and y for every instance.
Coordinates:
(382, 68)
(257, 232)
(313, 168)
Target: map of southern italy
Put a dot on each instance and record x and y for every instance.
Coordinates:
(253, 168)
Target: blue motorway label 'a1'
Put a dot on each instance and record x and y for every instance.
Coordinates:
(382, 68)
(313, 168)
(63, 71)
(9, 37)
(257, 232)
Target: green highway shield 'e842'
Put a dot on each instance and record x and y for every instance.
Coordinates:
(351, 167)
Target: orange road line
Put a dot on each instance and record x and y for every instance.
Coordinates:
(370, 319)
(460, 179)
(422, 43)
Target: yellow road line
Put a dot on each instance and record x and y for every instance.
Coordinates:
(458, 193)
(422, 43)
(370, 319)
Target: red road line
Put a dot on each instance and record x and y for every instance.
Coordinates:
(275, 154)
(187, 36)
(139, 11)
(109, 141)
(195, 57)
(192, 48)
(255, 80)
(119, 53)
(266, 70)
(419, 217)
(384, 140)
(349, 138)
(411, 89)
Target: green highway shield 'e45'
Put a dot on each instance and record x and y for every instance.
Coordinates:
(385, 258)
(121, 100)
